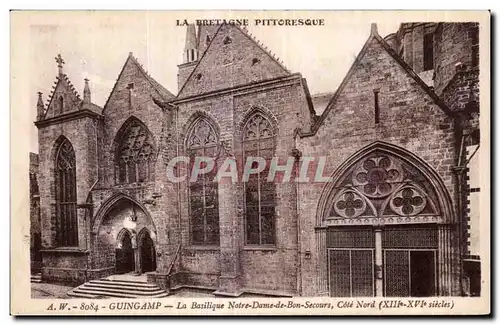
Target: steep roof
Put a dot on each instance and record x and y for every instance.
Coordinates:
(222, 67)
(63, 85)
(162, 91)
(374, 36)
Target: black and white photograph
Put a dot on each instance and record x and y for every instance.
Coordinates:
(260, 161)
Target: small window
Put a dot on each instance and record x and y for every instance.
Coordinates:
(207, 40)
(428, 52)
(61, 104)
(376, 105)
(198, 76)
(255, 61)
(227, 40)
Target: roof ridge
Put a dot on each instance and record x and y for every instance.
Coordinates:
(349, 73)
(252, 38)
(50, 97)
(414, 75)
(199, 61)
(264, 48)
(158, 87)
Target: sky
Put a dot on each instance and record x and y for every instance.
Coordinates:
(95, 45)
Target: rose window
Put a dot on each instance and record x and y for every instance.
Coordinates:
(349, 205)
(408, 202)
(377, 176)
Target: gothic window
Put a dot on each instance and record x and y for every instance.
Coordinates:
(384, 186)
(203, 191)
(135, 155)
(65, 181)
(260, 196)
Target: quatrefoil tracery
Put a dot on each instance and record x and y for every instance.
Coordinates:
(377, 177)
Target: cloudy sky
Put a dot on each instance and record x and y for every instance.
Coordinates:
(95, 45)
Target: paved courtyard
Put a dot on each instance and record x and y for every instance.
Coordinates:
(49, 291)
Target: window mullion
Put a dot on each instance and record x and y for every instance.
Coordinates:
(204, 204)
(136, 169)
(259, 196)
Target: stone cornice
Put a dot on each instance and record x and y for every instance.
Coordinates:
(247, 88)
(75, 115)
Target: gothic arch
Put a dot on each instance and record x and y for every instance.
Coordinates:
(64, 192)
(202, 140)
(107, 205)
(143, 233)
(442, 202)
(134, 147)
(57, 144)
(258, 131)
(120, 236)
(266, 113)
(193, 120)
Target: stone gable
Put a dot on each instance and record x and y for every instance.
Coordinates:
(71, 100)
(232, 59)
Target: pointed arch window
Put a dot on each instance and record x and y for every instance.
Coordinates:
(65, 181)
(260, 196)
(135, 154)
(203, 192)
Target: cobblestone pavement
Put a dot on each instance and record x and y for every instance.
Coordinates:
(48, 290)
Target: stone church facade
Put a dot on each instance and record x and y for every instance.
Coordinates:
(393, 218)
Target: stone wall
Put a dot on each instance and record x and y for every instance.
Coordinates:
(409, 118)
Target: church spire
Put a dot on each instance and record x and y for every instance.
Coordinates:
(190, 49)
(86, 92)
(60, 63)
(40, 108)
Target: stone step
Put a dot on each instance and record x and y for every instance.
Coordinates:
(82, 293)
(112, 285)
(92, 294)
(118, 289)
(36, 278)
(124, 283)
(127, 279)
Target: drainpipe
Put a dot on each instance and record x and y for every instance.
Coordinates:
(89, 210)
(178, 183)
(297, 154)
(459, 170)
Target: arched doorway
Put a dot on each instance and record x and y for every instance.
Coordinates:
(119, 227)
(125, 261)
(382, 227)
(148, 253)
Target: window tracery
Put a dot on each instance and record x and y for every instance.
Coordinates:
(203, 193)
(260, 196)
(386, 183)
(65, 185)
(135, 155)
